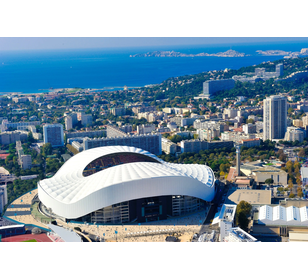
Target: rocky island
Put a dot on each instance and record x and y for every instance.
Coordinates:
(228, 53)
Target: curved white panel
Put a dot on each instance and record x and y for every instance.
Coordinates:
(71, 195)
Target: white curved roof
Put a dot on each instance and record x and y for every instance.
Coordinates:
(72, 195)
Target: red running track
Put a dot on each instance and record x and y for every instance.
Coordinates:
(18, 238)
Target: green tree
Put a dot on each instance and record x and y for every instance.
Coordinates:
(291, 195)
(242, 220)
(46, 149)
(269, 181)
(243, 209)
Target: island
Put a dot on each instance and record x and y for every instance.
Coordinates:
(228, 53)
(273, 52)
(286, 54)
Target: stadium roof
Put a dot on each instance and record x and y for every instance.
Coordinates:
(70, 194)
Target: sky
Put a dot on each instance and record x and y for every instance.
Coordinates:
(43, 43)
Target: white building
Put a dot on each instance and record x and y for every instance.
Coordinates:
(238, 235)
(232, 113)
(225, 219)
(249, 128)
(294, 133)
(283, 216)
(168, 146)
(145, 128)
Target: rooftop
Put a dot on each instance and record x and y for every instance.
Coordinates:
(251, 196)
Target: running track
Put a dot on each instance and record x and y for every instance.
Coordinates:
(18, 238)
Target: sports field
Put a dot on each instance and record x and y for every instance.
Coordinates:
(27, 238)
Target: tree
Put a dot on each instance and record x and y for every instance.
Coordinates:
(269, 181)
(243, 209)
(46, 149)
(301, 153)
(290, 183)
(291, 195)
(242, 220)
(244, 206)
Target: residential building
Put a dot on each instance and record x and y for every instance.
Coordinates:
(305, 121)
(118, 111)
(274, 117)
(298, 123)
(249, 128)
(294, 133)
(168, 146)
(86, 120)
(208, 134)
(70, 121)
(250, 142)
(9, 137)
(91, 134)
(53, 134)
(148, 142)
(114, 131)
(25, 161)
(19, 125)
(232, 113)
(145, 128)
(196, 145)
(210, 87)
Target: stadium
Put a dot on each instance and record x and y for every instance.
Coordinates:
(121, 184)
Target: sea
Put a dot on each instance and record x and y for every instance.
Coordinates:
(111, 69)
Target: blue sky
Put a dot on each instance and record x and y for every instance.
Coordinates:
(41, 43)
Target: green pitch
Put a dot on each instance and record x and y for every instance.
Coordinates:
(31, 240)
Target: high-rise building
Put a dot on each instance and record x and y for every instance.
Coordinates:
(86, 120)
(70, 121)
(212, 86)
(274, 117)
(53, 134)
(279, 70)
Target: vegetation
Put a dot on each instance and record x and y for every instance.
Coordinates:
(217, 159)
(243, 210)
(293, 170)
(269, 181)
(72, 149)
(20, 187)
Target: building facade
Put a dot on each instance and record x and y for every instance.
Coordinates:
(212, 86)
(274, 117)
(53, 134)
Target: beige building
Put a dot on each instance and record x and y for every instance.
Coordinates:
(298, 123)
(279, 176)
(305, 121)
(251, 196)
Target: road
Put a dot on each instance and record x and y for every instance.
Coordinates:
(206, 226)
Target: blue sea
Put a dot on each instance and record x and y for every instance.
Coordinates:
(38, 71)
